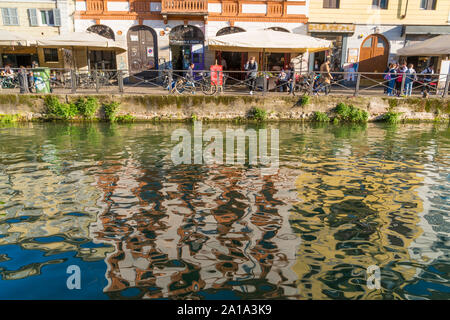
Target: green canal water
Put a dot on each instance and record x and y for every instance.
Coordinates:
(109, 200)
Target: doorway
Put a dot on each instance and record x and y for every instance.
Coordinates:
(142, 51)
(374, 54)
(187, 45)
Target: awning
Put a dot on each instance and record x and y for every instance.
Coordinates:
(268, 41)
(80, 39)
(436, 46)
(9, 38)
(431, 30)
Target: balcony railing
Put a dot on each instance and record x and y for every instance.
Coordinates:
(95, 6)
(274, 9)
(184, 6)
(230, 8)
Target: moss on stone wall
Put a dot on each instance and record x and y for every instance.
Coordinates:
(234, 108)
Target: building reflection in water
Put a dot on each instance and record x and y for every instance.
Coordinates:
(356, 212)
(195, 232)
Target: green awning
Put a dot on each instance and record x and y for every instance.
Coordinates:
(431, 30)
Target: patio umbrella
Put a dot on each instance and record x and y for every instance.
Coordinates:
(436, 46)
(268, 41)
(80, 39)
(9, 38)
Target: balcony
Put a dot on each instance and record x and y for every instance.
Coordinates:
(95, 6)
(184, 7)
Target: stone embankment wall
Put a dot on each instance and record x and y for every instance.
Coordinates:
(225, 107)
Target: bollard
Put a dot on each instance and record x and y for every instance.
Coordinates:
(120, 80)
(73, 79)
(170, 81)
(97, 81)
(402, 87)
(264, 83)
(311, 85)
(447, 83)
(293, 85)
(358, 81)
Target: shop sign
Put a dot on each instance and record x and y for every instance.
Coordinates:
(150, 52)
(352, 56)
(185, 42)
(331, 27)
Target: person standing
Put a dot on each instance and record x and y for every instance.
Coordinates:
(391, 79)
(291, 77)
(252, 69)
(428, 72)
(190, 77)
(316, 65)
(411, 76)
(401, 71)
(30, 79)
(223, 63)
(325, 74)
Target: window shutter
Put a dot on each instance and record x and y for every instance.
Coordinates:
(5, 17)
(14, 16)
(32, 14)
(57, 17)
(431, 5)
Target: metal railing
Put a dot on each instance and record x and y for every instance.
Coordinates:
(237, 82)
(184, 6)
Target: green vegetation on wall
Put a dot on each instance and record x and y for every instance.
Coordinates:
(349, 113)
(87, 107)
(257, 114)
(392, 117)
(111, 109)
(60, 110)
(321, 117)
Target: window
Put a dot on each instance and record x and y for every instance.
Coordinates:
(50, 55)
(381, 43)
(380, 4)
(10, 17)
(47, 18)
(331, 4)
(428, 4)
(368, 43)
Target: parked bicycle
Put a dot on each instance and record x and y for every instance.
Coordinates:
(9, 82)
(184, 86)
(311, 84)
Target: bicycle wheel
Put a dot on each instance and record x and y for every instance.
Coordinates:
(209, 88)
(180, 87)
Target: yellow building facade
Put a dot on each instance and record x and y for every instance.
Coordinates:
(35, 19)
(369, 32)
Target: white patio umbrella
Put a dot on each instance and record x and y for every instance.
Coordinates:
(72, 40)
(436, 46)
(9, 38)
(80, 39)
(268, 41)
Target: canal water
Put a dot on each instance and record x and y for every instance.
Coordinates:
(106, 205)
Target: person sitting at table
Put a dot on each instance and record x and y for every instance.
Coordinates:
(283, 80)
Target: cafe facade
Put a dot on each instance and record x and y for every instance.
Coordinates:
(170, 34)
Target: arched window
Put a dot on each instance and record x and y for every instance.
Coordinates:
(229, 30)
(102, 30)
(186, 34)
(278, 29)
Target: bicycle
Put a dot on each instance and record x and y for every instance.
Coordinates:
(183, 85)
(9, 82)
(320, 87)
